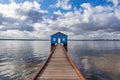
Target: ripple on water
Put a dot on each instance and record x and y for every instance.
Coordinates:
(20, 69)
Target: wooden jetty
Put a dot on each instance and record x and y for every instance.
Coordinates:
(58, 66)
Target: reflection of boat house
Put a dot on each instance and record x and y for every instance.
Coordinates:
(59, 38)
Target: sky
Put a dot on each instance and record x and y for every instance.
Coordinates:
(79, 19)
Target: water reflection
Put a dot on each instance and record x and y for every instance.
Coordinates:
(98, 60)
(20, 59)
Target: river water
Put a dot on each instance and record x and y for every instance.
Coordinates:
(97, 60)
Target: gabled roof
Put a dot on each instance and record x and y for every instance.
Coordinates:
(59, 33)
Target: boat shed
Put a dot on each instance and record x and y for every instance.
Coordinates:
(59, 38)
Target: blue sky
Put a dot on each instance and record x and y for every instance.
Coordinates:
(79, 19)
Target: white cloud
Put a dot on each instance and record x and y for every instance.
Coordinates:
(10, 33)
(1, 26)
(64, 4)
(95, 22)
(58, 12)
(27, 6)
(40, 26)
(36, 5)
(10, 10)
(117, 13)
(27, 20)
(87, 12)
(18, 19)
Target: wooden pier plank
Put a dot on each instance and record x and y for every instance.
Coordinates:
(58, 67)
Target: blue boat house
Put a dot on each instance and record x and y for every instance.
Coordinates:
(59, 38)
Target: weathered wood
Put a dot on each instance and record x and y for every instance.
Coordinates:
(59, 67)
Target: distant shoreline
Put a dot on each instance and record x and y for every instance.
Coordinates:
(26, 39)
(68, 40)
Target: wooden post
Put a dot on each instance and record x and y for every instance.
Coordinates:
(52, 47)
(65, 46)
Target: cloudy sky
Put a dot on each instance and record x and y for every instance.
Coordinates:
(79, 19)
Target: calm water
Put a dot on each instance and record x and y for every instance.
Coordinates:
(97, 60)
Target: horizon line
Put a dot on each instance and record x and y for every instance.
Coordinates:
(68, 39)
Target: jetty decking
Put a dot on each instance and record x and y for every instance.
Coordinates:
(58, 67)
